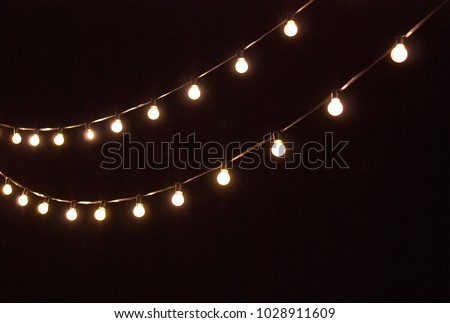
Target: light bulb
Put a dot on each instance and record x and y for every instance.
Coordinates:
(290, 29)
(71, 214)
(139, 210)
(7, 189)
(16, 138)
(153, 112)
(100, 214)
(278, 149)
(335, 107)
(43, 208)
(178, 198)
(224, 177)
(58, 139)
(399, 54)
(116, 126)
(194, 92)
(34, 140)
(22, 199)
(89, 134)
(241, 65)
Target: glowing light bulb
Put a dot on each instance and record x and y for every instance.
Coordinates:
(116, 126)
(153, 112)
(34, 140)
(89, 134)
(278, 149)
(224, 177)
(241, 65)
(16, 138)
(399, 54)
(71, 214)
(7, 189)
(194, 92)
(58, 139)
(290, 29)
(22, 200)
(335, 107)
(139, 210)
(100, 214)
(43, 207)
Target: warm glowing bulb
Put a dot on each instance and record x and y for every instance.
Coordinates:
(335, 107)
(177, 198)
(16, 138)
(100, 214)
(278, 148)
(58, 139)
(399, 54)
(34, 140)
(153, 112)
(89, 134)
(43, 208)
(224, 177)
(22, 200)
(241, 65)
(7, 189)
(71, 214)
(194, 92)
(139, 210)
(116, 126)
(290, 29)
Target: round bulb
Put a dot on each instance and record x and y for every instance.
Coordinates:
(224, 177)
(194, 92)
(139, 210)
(7, 189)
(177, 198)
(278, 148)
(290, 29)
(116, 126)
(43, 208)
(58, 139)
(34, 140)
(89, 134)
(153, 112)
(22, 200)
(399, 54)
(335, 107)
(16, 138)
(71, 214)
(100, 214)
(241, 65)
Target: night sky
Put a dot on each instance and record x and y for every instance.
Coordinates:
(376, 232)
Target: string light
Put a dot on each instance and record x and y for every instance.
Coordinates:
(16, 138)
(241, 65)
(22, 200)
(43, 207)
(178, 198)
(7, 188)
(194, 91)
(335, 106)
(399, 54)
(34, 139)
(139, 210)
(223, 178)
(58, 139)
(100, 213)
(89, 134)
(290, 29)
(116, 126)
(153, 112)
(278, 149)
(71, 214)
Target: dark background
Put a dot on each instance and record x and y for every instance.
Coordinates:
(377, 232)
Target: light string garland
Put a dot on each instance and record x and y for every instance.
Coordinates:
(193, 93)
(223, 177)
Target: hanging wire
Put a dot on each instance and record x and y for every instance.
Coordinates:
(242, 154)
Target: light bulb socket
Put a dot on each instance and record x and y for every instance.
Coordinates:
(153, 102)
(399, 40)
(240, 54)
(117, 117)
(290, 16)
(335, 94)
(138, 199)
(25, 192)
(7, 181)
(15, 131)
(275, 136)
(47, 199)
(102, 204)
(73, 204)
(60, 130)
(225, 164)
(36, 131)
(194, 81)
(178, 187)
(87, 126)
